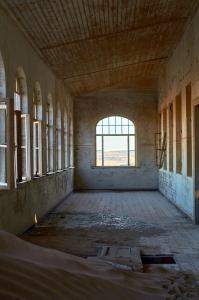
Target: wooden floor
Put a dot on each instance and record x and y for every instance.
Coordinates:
(85, 221)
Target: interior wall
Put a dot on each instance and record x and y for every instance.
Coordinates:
(18, 206)
(88, 110)
(181, 70)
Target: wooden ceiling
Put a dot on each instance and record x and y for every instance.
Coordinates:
(98, 44)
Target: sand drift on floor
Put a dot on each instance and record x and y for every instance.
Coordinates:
(32, 272)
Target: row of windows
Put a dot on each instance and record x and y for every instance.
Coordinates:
(15, 130)
(171, 126)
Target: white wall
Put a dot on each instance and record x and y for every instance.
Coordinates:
(142, 110)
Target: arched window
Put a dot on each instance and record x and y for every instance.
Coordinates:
(37, 131)
(65, 140)
(3, 126)
(22, 157)
(49, 134)
(58, 138)
(115, 142)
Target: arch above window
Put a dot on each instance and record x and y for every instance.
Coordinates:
(115, 125)
(115, 142)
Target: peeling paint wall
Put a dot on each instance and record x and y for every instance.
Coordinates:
(18, 206)
(142, 110)
(182, 68)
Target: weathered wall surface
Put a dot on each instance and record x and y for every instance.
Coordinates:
(17, 207)
(88, 110)
(182, 68)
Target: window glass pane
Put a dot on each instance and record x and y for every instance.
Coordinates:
(118, 121)
(99, 151)
(99, 129)
(36, 133)
(3, 160)
(105, 121)
(131, 129)
(132, 158)
(125, 121)
(98, 142)
(23, 153)
(118, 129)
(115, 151)
(112, 120)
(131, 142)
(112, 130)
(23, 131)
(105, 130)
(2, 127)
(36, 162)
(125, 130)
(17, 102)
(99, 123)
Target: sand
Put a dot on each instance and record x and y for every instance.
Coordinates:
(32, 272)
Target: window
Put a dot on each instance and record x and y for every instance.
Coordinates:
(3, 127)
(21, 130)
(49, 135)
(164, 115)
(37, 131)
(178, 117)
(115, 142)
(58, 139)
(65, 141)
(71, 159)
(189, 130)
(170, 137)
(3, 143)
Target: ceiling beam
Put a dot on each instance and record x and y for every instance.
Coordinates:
(58, 45)
(157, 59)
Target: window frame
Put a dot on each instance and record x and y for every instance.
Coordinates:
(65, 140)
(37, 133)
(3, 107)
(37, 157)
(19, 115)
(58, 139)
(128, 144)
(9, 122)
(49, 134)
(19, 147)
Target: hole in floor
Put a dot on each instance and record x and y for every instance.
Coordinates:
(158, 259)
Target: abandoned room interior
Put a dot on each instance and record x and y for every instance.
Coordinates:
(99, 149)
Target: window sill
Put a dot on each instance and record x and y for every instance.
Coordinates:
(115, 167)
(4, 188)
(68, 168)
(37, 178)
(50, 173)
(23, 182)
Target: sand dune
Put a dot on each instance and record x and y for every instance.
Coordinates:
(32, 272)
